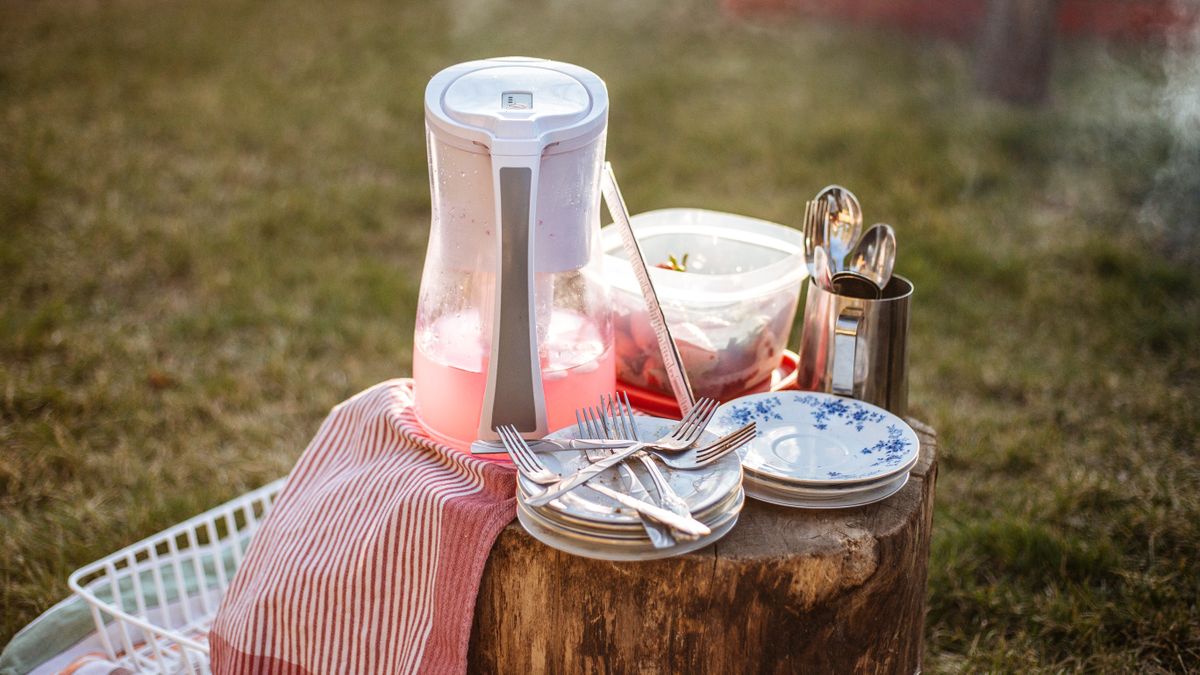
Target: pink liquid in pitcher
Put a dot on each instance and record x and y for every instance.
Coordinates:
(450, 364)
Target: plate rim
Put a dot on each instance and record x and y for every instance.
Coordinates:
(637, 554)
(829, 505)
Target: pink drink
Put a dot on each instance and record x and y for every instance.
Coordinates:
(450, 367)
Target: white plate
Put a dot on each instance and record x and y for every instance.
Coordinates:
(592, 527)
(818, 440)
(788, 498)
(825, 492)
(822, 494)
(700, 488)
(604, 548)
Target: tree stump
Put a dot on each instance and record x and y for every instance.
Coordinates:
(787, 590)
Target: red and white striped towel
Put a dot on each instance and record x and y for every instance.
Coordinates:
(371, 557)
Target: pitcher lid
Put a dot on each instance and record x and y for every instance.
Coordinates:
(517, 105)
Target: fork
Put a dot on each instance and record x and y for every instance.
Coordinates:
(707, 454)
(713, 451)
(681, 438)
(596, 422)
(532, 468)
(816, 212)
(587, 422)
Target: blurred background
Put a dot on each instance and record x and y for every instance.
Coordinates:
(214, 215)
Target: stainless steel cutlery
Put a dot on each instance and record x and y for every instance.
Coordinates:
(531, 467)
(613, 420)
(680, 438)
(839, 259)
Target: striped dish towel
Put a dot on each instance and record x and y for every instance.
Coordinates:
(371, 557)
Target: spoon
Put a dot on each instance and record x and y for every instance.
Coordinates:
(874, 255)
(855, 285)
(843, 223)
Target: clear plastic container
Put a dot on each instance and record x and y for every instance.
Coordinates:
(730, 313)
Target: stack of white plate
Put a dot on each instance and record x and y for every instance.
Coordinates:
(820, 451)
(586, 523)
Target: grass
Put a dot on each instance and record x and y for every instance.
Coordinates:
(214, 216)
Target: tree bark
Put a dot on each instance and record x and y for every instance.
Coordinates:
(1016, 49)
(787, 590)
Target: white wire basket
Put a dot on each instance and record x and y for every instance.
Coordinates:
(153, 602)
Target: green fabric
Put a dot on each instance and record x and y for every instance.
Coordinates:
(68, 622)
(49, 635)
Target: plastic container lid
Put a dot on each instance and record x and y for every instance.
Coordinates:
(516, 106)
(731, 257)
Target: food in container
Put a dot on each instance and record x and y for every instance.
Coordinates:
(730, 312)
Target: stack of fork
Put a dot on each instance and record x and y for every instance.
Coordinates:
(583, 491)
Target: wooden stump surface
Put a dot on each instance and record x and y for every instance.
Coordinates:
(786, 591)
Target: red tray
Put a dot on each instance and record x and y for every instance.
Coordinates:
(662, 405)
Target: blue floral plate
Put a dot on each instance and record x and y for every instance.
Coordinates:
(811, 439)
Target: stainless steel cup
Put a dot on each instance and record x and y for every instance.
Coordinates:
(857, 347)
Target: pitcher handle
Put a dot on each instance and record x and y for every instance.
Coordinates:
(513, 394)
(845, 346)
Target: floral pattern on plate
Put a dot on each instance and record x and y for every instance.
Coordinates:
(818, 438)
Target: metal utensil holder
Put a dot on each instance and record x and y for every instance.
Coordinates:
(858, 347)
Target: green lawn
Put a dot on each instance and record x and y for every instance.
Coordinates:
(214, 214)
